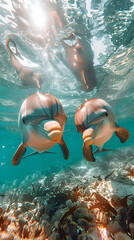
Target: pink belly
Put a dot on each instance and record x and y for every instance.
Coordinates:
(103, 134)
(39, 143)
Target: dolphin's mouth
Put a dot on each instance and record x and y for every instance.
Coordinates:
(97, 121)
(87, 136)
(50, 129)
(90, 133)
(55, 135)
(51, 126)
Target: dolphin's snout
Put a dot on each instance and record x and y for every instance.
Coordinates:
(55, 135)
(87, 135)
(54, 130)
(88, 141)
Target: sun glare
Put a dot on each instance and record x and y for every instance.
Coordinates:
(38, 17)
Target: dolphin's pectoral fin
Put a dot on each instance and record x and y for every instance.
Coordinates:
(64, 149)
(122, 134)
(19, 154)
(87, 153)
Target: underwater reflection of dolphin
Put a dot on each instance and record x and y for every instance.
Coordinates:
(41, 122)
(96, 121)
(80, 60)
(27, 75)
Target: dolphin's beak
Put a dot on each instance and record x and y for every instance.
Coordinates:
(55, 135)
(87, 136)
(54, 130)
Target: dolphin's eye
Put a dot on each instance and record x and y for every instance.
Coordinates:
(106, 114)
(23, 120)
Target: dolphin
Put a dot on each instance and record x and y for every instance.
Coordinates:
(96, 121)
(26, 74)
(41, 123)
(80, 60)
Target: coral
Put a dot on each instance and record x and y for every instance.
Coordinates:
(68, 210)
(103, 204)
(25, 232)
(3, 223)
(130, 172)
(22, 222)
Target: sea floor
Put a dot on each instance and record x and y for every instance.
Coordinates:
(95, 203)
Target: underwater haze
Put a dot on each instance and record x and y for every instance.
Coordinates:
(75, 50)
(108, 26)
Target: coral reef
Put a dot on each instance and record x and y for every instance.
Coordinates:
(76, 204)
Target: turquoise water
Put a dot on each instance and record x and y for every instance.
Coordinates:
(111, 34)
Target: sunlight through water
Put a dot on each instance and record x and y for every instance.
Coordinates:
(37, 15)
(58, 48)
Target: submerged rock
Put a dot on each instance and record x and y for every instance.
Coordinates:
(29, 205)
(25, 232)
(34, 230)
(71, 229)
(54, 236)
(41, 211)
(29, 215)
(122, 236)
(27, 198)
(82, 213)
(131, 226)
(70, 210)
(1, 211)
(116, 201)
(84, 224)
(69, 203)
(17, 213)
(58, 214)
(46, 228)
(12, 228)
(87, 193)
(45, 217)
(22, 222)
(113, 227)
(6, 236)
(84, 236)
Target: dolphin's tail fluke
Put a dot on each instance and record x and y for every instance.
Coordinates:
(10, 50)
